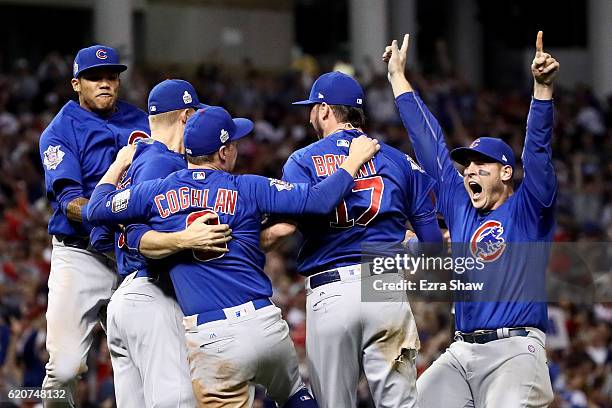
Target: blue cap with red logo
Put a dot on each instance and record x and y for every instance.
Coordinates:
(210, 128)
(173, 94)
(490, 148)
(335, 88)
(97, 56)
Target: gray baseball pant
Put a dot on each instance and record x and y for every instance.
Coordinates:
(344, 335)
(228, 357)
(146, 340)
(505, 373)
(80, 285)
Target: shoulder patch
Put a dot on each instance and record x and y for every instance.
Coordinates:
(53, 156)
(281, 185)
(120, 201)
(414, 165)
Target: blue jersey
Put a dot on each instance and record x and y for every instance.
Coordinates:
(390, 190)
(512, 240)
(152, 160)
(76, 149)
(203, 282)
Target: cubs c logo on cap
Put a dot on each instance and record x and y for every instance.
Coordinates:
(101, 54)
(475, 143)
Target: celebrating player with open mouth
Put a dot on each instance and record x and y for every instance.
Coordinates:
(498, 358)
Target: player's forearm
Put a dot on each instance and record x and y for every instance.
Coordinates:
(429, 237)
(273, 236)
(156, 245)
(543, 92)
(426, 136)
(326, 194)
(76, 209)
(540, 176)
(113, 174)
(100, 209)
(351, 165)
(399, 84)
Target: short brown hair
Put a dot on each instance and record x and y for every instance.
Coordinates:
(200, 160)
(348, 114)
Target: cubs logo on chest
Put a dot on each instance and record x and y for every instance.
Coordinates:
(487, 242)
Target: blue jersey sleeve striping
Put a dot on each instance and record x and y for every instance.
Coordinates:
(430, 148)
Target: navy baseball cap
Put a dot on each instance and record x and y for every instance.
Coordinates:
(210, 128)
(96, 56)
(172, 94)
(490, 147)
(335, 88)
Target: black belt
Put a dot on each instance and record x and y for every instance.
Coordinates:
(73, 242)
(323, 278)
(492, 335)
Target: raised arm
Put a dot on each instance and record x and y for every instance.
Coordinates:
(540, 179)
(423, 129)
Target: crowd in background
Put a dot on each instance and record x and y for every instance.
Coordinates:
(580, 357)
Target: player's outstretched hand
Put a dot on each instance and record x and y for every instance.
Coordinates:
(200, 235)
(544, 67)
(396, 57)
(125, 156)
(363, 148)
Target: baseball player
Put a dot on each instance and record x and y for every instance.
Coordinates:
(145, 332)
(235, 335)
(343, 334)
(498, 358)
(76, 149)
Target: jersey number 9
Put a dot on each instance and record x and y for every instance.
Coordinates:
(201, 255)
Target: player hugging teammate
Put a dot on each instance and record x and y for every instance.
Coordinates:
(169, 220)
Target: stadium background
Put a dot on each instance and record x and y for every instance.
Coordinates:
(469, 59)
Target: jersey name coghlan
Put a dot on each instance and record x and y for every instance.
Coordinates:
(183, 198)
(327, 164)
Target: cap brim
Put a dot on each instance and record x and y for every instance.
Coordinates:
(305, 102)
(243, 127)
(462, 156)
(111, 67)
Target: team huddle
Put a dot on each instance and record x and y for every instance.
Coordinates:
(154, 237)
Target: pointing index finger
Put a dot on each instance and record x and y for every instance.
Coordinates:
(539, 43)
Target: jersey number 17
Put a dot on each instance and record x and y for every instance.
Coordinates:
(375, 186)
